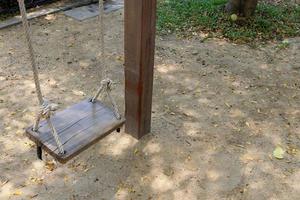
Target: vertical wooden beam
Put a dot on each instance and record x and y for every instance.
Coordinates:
(140, 21)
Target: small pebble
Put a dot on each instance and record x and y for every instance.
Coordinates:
(195, 53)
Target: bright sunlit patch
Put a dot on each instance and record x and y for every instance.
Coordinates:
(212, 175)
(38, 165)
(235, 113)
(185, 194)
(84, 63)
(250, 157)
(295, 181)
(6, 191)
(119, 145)
(152, 148)
(252, 154)
(264, 66)
(121, 194)
(162, 183)
(236, 84)
(221, 42)
(204, 100)
(166, 68)
(257, 185)
(192, 128)
(10, 145)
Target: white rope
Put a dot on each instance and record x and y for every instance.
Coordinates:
(30, 50)
(46, 111)
(102, 40)
(55, 135)
(114, 104)
(106, 83)
(47, 108)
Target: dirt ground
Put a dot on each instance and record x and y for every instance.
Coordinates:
(219, 111)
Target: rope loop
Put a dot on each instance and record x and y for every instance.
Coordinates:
(107, 83)
(47, 109)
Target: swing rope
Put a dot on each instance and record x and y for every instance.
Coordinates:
(102, 40)
(106, 83)
(30, 50)
(47, 108)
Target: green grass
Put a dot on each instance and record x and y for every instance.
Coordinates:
(5, 16)
(187, 17)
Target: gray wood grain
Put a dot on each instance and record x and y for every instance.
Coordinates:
(78, 127)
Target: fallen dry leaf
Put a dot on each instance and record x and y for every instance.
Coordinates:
(78, 93)
(37, 180)
(227, 104)
(278, 152)
(247, 124)
(188, 158)
(292, 151)
(50, 17)
(2, 183)
(120, 58)
(66, 179)
(50, 165)
(136, 151)
(33, 196)
(17, 193)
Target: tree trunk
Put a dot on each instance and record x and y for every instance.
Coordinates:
(243, 8)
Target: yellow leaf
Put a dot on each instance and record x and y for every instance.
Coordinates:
(258, 110)
(188, 158)
(50, 166)
(37, 180)
(120, 58)
(66, 179)
(227, 104)
(136, 151)
(33, 196)
(278, 152)
(247, 124)
(17, 192)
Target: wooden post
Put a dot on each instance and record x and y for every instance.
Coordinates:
(140, 21)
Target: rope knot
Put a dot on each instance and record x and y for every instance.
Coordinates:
(108, 83)
(47, 108)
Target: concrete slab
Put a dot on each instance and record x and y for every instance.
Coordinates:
(90, 11)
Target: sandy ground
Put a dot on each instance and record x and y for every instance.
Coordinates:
(219, 111)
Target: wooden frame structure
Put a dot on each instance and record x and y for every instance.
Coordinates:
(140, 21)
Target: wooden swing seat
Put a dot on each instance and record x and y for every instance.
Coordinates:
(78, 127)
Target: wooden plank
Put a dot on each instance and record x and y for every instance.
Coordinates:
(140, 20)
(78, 127)
(73, 114)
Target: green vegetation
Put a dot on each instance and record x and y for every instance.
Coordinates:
(5, 16)
(187, 17)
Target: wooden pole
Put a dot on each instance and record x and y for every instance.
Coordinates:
(140, 21)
